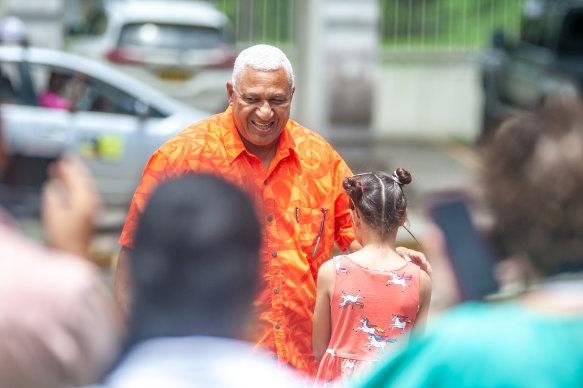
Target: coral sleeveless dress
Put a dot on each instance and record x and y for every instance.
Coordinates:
(373, 311)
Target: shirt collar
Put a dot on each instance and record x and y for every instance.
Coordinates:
(234, 145)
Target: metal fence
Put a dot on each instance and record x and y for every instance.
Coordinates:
(262, 21)
(445, 25)
(421, 26)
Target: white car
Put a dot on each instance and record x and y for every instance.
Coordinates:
(182, 48)
(111, 120)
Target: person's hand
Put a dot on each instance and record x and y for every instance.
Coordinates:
(69, 205)
(416, 257)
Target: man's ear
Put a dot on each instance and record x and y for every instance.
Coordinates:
(230, 93)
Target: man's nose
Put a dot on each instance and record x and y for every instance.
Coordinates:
(264, 110)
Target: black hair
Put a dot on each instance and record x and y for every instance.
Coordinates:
(379, 198)
(195, 262)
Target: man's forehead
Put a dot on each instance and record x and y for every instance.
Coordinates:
(250, 75)
(272, 84)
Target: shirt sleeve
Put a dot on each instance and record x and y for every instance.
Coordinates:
(343, 233)
(156, 171)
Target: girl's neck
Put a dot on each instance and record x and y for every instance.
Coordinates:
(375, 250)
(373, 240)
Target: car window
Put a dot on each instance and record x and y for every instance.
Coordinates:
(52, 86)
(571, 37)
(175, 36)
(98, 96)
(11, 87)
(536, 30)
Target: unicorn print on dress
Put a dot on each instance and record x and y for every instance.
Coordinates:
(379, 341)
(399, 280)
(348, 364)
(351, 299)
(339, 269)
(400, 322)
(372, 329)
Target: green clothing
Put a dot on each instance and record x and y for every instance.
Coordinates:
(489, 345)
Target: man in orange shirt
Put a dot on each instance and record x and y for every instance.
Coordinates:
(293, 175)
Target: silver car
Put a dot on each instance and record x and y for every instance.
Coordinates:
(183, 48)
(54, 101)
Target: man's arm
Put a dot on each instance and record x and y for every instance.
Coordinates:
(122, 284)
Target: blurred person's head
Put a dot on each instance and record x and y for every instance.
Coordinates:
(378, 199)
(260, 96)
(533, 181)
(195, 261)
(57, 81)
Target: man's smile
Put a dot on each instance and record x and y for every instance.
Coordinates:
(262, 127)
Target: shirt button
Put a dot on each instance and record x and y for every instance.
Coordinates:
(269, 218)
(265, 182)
(277, 325)
(274, 253)
(276, 290)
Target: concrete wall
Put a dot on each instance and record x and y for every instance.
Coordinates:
(434, 97)
(42, 19)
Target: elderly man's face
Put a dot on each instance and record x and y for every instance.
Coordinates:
(261, 103)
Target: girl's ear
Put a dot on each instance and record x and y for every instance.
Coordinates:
(404, 218)
(355, 218)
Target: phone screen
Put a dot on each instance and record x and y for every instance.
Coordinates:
(471, 257)
(21, 183)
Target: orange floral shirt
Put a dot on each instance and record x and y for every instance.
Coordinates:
(301, 203)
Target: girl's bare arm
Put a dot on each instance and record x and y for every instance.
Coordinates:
(322, 321)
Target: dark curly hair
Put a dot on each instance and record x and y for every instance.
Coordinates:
(533, 180)
(379, 198)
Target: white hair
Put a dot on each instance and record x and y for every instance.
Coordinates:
(262, 57)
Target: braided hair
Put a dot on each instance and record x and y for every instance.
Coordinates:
(379, 198)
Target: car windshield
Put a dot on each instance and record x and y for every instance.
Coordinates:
(174, 36)
(571, 38)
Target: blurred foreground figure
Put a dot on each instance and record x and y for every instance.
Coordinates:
(194, 274)
(534, 185)
(57, 320)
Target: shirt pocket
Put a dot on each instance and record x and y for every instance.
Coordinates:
(315, 225)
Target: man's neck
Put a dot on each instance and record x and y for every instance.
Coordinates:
(263, 153)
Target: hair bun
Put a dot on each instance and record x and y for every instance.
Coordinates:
(402, 176)
(353, 187)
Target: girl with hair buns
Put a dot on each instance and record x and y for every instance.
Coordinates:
(368, 301)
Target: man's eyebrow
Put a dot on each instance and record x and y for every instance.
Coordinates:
(255, 95)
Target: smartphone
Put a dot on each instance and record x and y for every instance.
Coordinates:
(21, 183)
(471, 255)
